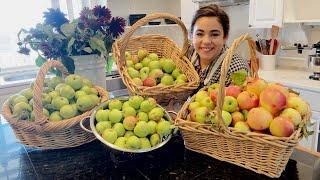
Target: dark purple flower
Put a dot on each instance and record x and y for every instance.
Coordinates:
(116, 26)
(102, 12)
(54, 17)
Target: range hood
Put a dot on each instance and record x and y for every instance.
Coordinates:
(222, 3)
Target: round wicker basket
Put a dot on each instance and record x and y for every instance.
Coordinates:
(44, 134)
(261, 153)
(164, 47)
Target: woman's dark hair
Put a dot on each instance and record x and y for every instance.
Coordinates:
(213, 11)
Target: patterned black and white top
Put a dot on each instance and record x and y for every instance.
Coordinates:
(236, 64)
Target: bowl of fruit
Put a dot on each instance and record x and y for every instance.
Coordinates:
(133, 124)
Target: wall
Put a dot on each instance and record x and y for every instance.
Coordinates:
(125, 7)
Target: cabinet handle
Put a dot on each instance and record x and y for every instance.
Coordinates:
(249, 25)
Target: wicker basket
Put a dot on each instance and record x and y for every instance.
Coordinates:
(42, 133)
(164, 47)
(261, 153)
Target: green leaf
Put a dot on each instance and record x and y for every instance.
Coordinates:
(239, 77)
(40, 61)
(87, 49)
(97, 44)
(70, 43)
(68, 29)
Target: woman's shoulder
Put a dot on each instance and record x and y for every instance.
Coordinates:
(238, 63)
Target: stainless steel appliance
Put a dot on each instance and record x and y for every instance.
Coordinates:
(314, 62)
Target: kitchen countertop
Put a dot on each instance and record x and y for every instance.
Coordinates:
(292, 78)
(96, 161)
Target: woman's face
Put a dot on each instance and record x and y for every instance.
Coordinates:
(208, 38)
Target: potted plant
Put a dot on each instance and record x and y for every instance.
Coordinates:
(78, 44)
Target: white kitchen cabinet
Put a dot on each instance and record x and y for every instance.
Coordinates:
(265, 13)
(188, 8)
(312, 141)
(312, 98)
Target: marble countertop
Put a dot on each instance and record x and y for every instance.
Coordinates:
(292, 78)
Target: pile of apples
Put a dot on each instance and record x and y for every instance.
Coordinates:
(146, 69)
(136, 123)
(256, 106)
(61, 99)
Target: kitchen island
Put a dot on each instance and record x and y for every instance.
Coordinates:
(95, 161)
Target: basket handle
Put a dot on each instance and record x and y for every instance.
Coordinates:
(38, 88)
(83, 127)
(224, 70)
(125, 39)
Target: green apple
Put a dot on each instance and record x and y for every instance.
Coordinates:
(154, 65)
(129, 111)
(153, 56)
(201, 95)
(142, 116)
(230, 104)
(115, 116)
(147, 105)
(28, 93)
(115, 104)
(85, 103)
(193, 105)
(110, 135)
(133, 142)
(145, 62)
(176, 72)
(226, 116)
(141, 129)
(67, 91)
(119, 128)
(74, 80)
(142, 53)
(55, 116)
(58, 102)
(156, 114)
(155, 139)
(133, 73)
(137, 81)
(135, 101)
(138, 66)
(145, 143)
(121, 142)
(68, 111)
(182, 77)
(167, 80)
(168, 66)
(152, 125)
(103, 125)
(102, 115)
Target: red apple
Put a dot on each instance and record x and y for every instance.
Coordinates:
(149, 81)
(236, 117)
(214, 95)
(247, 100)
(273, 100)
(281, 127)
(259, 118)
(256, 85)
(233, 90)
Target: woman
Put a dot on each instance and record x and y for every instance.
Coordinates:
(209, 31)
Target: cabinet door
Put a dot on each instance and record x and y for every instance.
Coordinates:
(265, 13)
(188, 8)
(312, 141)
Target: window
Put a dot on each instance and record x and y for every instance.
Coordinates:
(17, 14)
